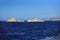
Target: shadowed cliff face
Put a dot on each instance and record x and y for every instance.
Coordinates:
(30, 30)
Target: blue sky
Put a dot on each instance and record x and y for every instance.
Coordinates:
(27, 9)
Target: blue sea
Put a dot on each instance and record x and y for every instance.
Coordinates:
(48, 30)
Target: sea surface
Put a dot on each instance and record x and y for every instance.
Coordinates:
(48, 30)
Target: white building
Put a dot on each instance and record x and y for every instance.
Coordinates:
(35, 20)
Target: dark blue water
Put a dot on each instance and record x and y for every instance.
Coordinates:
(28, 30)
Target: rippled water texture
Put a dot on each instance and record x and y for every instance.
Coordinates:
(48, 30)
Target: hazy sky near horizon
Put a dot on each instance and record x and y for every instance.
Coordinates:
(26, 9)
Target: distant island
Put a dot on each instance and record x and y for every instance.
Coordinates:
(33, 20)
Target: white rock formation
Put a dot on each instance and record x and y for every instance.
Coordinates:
(14, 20)
(11, 20)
